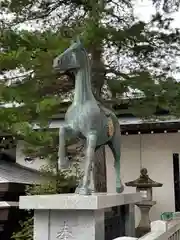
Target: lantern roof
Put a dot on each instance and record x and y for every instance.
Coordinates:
(143, 181)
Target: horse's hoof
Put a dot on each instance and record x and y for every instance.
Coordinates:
(64, 165)
(77, 190)
(84, 191)
(120, 189)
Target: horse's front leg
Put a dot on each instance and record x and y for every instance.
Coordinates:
(62, 160)
(91, 145)
(91, 179)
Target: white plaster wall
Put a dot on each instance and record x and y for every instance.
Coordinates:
(157, 157)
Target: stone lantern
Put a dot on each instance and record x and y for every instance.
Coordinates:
(144, 185)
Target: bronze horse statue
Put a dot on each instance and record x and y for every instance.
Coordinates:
(85, 118)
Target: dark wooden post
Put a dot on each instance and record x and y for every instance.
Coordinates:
(100, 179)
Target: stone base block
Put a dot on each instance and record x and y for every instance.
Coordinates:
(77, 225)
(76, 217)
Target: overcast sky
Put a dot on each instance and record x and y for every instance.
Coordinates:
(144, 10)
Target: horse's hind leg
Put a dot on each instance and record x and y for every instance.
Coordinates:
(114, 145)
(91, 145)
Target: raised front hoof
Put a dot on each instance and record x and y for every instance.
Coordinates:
(120, 189)
(84, 191)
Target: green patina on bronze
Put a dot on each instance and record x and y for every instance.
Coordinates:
(85, 118)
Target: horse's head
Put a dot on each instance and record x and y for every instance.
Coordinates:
(68, 60)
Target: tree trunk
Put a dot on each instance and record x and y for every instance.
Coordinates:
(100, 180)
(98, 77)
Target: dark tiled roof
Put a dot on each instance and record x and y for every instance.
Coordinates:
(13, 172)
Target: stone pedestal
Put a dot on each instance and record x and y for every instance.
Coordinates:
(144, 224)
(71, 216)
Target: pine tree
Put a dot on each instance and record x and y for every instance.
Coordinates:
(126, 54)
